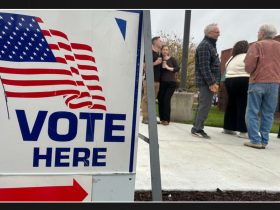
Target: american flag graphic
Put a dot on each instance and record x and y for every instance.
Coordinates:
(39, 62)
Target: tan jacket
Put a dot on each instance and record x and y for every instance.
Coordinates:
(262, 61)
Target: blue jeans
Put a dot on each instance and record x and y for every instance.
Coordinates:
(262, 98)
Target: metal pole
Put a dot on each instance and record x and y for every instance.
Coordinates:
(183, 83)
(153, 134)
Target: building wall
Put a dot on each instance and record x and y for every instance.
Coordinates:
(225, 55)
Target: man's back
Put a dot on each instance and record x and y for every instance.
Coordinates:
(263, 61)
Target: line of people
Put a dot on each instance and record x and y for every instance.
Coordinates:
(165, 69)
(252, 78)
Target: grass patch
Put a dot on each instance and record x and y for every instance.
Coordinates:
(216, 119)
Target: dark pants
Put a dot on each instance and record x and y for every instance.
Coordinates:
(204, 105)
(166, 90)
(234, 118)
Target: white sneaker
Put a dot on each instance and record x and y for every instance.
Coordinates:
(243, 135)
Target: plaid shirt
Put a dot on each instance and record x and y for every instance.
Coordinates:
(207, 64)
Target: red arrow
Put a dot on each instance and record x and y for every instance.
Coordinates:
(48, 193)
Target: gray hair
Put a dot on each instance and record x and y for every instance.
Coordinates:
(268, 30)
(209, 28)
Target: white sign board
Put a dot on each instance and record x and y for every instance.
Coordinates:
(70, 91)
(67, 188)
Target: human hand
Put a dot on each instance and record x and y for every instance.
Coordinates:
(214, 88)
(169, 68)
(158, 61)
(144, 67)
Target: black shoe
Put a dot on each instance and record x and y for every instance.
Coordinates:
(200, 134)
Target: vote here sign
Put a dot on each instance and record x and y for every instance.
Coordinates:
(70, 91)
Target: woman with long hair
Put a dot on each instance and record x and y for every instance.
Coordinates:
(167, 85)
(236, 83)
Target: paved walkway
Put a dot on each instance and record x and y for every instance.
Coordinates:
(190, 163)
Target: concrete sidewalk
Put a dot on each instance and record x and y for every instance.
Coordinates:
(190, 163)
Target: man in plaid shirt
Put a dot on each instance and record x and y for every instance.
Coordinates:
(208, 76)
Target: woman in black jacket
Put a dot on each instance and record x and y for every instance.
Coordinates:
(167, 85)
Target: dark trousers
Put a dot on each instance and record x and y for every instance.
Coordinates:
(166, 90)
(234, 118)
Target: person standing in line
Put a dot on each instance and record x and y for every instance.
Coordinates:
(208, 76)
(262, 62)
(167, 85)
(236, 83)
(278, 136)
(157, 62)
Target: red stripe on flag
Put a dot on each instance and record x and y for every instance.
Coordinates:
(70, 98)
(98, 98)
(94, 87)
(46, 33)
(87, 67)
(74, 70)
(37, 82)
(80, 83)
(84, 94)
(84, 57)
(69, 58)
(90, 77)
(39, 20)
(53, 47)
(40, 94)
(58, 33)
(60, 60)
(34, 71)
(78, 46)
(80, 105)
(99, 106)
(64, 46)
